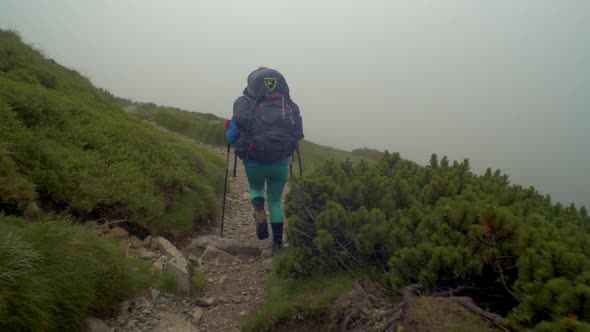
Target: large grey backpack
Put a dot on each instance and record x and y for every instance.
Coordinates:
(268, 120)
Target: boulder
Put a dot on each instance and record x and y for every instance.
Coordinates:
(104, 227)
(167, 248)
(230, 246)
(147, 254)
(155, 293)
(180, 268)
(216, 255)
(147, 242)
(117, 233)
(159, 263)
(125, 305)
(135, 242)
(194, 251)
(207, 302)
(97, 325)
(154, 244)
(194, 259)
(177, 265)
(142, 302)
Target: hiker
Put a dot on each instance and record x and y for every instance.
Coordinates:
(265, 128)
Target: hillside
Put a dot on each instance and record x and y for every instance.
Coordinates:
(66, 148)
(68, 155)
(204, 128)
(209, 129)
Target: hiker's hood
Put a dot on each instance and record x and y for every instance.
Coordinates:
(265, 81)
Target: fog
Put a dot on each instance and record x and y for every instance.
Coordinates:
(504, 83)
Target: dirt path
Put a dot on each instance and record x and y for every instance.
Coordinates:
(239, 286)
(235, 283)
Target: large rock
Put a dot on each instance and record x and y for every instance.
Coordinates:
(214, 254)
(147, 254)
(147, 242)
(167, 248)
(230, 246)
(117, 233)
(97, 325)
(180, 268)
(194, 251)
(136, 242)
(159, 263)
(142, 302)
(177, 265)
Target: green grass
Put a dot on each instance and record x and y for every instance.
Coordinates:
(314, 155)
(198, 281)
(306, 299)
(435, 314)
(183, 214)
(167, 283)
(54, 274)
(208, 129)
(66, 147)
(204, 128)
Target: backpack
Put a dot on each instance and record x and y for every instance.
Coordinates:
(269, 121)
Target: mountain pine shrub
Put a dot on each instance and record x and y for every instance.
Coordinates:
(510, 248)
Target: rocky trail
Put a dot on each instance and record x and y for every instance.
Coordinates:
(235, 269)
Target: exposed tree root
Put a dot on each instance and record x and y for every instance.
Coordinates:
(360, 310)
(467, 303)
(409, 295)
(412, 292)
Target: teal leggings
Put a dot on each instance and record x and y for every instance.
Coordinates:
(275, 177)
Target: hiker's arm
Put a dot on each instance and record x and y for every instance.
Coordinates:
(232, 133)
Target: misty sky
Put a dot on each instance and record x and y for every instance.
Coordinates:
(504, 83)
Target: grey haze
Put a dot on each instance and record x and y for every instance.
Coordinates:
(504, 83)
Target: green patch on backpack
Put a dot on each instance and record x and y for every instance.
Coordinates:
(270, 83)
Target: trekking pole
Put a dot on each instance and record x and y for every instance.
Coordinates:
(235, 161)
(225, 188)
(291, 166)
(299, 160)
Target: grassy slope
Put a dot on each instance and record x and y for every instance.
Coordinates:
(205, 128)
(54, 274)
(297, 301)
(208, 128)
(69, 149)
(66, 148)
(314, 155)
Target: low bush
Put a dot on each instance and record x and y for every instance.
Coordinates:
(510, 248)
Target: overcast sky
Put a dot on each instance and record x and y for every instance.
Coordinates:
(505, 83)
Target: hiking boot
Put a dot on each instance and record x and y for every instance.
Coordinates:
(260, 218)
(277, 232)
(261, 225)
